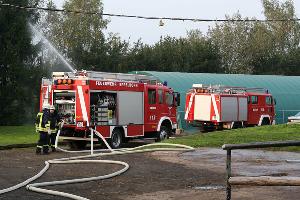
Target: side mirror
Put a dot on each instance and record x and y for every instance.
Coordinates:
(176, 99)
(274, 101)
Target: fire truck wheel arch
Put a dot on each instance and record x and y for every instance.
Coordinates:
(166, 122)
(116, 137)
(262, 118)
(122, 129)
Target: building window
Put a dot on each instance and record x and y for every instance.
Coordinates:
(160, 96)
(152, 96)
(254, 99)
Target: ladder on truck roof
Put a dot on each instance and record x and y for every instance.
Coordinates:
(227, 89)
(120, 76)
(106, 76)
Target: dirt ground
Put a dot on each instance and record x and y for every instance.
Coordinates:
(158, 175)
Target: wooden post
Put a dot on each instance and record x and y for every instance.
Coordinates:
(261, 181)
(261, 145)
(92, 142)
(265, 181)
(228, 174)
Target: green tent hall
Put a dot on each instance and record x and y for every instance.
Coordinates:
(285, 89)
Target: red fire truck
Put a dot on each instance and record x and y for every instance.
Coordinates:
(218, 107)
(119, 106)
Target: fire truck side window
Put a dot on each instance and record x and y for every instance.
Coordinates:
(160, 97)
(254, 99)
(152, 96)
(169, 98)
(269, 100)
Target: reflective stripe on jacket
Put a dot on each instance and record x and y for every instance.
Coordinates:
(40, 122)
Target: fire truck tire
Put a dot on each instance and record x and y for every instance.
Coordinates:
(265, 121)
(162, 134)
(116, 139)
(237, 125)
(206, 128)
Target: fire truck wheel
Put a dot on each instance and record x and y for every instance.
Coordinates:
(237, 125)
(162, 134)
(116, 139)
(265, 121)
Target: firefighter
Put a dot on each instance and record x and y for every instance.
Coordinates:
(43, 127)
(54, 121)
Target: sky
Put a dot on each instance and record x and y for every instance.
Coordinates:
(149, 30)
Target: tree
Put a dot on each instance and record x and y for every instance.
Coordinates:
(233, 39)
(286, 34)
(19, 64)
(283, 39)
(79, 36)
(259, 48)
(195, 53)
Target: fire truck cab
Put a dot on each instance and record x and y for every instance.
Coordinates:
(119, 106)
(218, 107)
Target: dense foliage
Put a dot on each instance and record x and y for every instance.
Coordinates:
(20, 69)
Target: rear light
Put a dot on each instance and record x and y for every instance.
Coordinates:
(200, 91)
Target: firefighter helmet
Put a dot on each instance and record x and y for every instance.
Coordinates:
(46, 106)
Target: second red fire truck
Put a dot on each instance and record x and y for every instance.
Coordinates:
(218, 107)
(119, 106)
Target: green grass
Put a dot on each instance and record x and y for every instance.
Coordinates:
(245, 135)
(17, 135)
(26, 134)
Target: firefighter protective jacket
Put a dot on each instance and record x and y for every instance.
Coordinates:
(53, 121)
(42, 123)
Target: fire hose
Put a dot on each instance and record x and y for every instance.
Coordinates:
(80, 159)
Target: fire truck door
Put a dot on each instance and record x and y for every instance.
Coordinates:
(253, 110)
(163, 109)
(151, 108)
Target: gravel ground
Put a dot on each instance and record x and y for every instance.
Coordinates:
(159, 175)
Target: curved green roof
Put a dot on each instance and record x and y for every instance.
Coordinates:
(285, 89)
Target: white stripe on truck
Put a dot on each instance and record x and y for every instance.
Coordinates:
(82, 104)
(189, 107)
(215, 107)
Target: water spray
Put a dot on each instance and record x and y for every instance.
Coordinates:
(50, 45)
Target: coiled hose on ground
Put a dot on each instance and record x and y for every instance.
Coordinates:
(82, 159)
